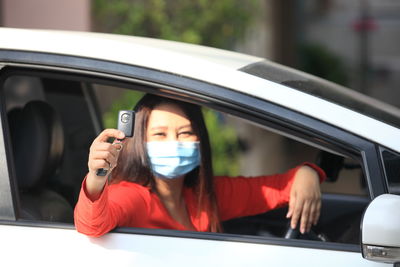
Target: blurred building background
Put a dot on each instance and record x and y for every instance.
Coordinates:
(355, 43)
(46, 14)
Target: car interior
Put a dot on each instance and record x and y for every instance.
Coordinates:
(53, 118)
(37, 156)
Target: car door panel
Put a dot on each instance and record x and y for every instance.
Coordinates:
(66, 247)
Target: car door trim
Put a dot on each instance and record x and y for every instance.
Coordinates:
(204, 235)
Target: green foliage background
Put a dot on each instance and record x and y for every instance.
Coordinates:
(125, 102)
(216, 23)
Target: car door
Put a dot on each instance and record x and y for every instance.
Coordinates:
(73, 88)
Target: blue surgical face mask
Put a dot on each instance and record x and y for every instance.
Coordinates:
(173, 159)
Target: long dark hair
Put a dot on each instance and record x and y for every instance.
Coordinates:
(134, 165)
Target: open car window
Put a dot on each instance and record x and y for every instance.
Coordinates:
(241, 147)
(52, 120)
(256, 150)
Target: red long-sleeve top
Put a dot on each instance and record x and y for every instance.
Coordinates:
(132, 205)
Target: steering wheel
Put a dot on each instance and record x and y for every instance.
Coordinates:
(291, 233)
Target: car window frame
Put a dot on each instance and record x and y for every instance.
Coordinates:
(9, 204)
(324, 89)
(386, 171)
(259, 111)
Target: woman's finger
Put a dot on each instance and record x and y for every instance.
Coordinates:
(304, 223)
(298, 206)
(109, 133)
(292, 203)
(312, 215)
(96, 164)
(104, 155)
(104, 147)
(317, 212)
(118, 146)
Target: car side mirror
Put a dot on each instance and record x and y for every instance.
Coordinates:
(380, 229)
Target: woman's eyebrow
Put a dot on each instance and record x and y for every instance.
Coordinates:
(155, 128)
(185, 126)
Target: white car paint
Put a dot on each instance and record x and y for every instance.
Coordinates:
(165, 55)
(207, 64)
(69, 248)
(383, 211)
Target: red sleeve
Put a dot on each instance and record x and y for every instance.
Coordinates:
(118, 205)
(245, 196)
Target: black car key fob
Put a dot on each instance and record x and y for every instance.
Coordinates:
(126, 124)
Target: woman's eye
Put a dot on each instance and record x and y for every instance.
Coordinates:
(186, 133)
(159, 134)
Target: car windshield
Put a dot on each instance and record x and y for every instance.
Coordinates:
(340, 95)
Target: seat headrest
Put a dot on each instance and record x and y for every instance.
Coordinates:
(38, 143)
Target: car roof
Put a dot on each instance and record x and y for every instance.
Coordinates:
(121, 48)
(244, 73)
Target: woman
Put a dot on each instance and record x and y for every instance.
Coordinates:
(162, 178)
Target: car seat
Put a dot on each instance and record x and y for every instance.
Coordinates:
(38, 143)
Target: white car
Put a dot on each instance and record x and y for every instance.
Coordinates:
(54, 85)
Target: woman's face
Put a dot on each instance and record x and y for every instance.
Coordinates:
(167, 122)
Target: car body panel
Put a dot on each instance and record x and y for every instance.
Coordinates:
(383, 211)
(125, 49)
(117, 249)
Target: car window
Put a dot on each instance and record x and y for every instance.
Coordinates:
(263, 151)
(256, 150)
(391, 162)
(71, 111)
(241, 147)
(50, 123)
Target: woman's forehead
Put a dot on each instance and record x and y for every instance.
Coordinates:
(166, 113)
